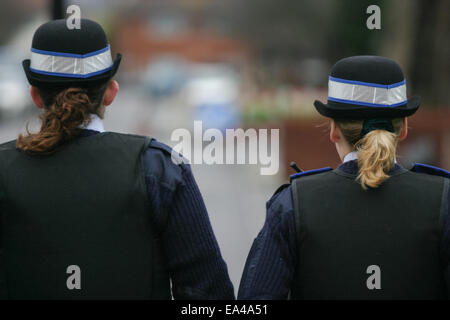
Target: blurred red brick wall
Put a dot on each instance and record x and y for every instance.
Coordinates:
(306, 141)
(135, 39)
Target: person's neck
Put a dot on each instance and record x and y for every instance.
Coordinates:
(95, 124)
(353, 155)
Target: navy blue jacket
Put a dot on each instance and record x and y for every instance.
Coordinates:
(270, 266)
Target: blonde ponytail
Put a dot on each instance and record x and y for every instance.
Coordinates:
(376, 150)
(376, 156)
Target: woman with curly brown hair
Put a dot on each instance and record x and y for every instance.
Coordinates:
(67, 110)
(91, 214)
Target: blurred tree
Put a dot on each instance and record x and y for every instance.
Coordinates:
(285, 32)
(347, 32)
(417, 37)
(282, 33)
(430, 66)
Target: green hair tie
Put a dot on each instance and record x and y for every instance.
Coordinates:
(376, 124)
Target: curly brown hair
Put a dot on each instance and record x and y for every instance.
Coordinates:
(65, 109)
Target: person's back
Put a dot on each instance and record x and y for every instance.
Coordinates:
(85, 205)
(369, 229)
(395, 229)
(89, 214)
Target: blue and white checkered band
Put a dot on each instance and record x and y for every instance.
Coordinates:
(71, 65)
(367, 94)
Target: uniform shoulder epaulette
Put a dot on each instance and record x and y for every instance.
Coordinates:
(309, 172)
(176, 157)
(280, 188)
(155, 144)
(427, 169)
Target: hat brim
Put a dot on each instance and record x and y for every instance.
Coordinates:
(43, 80)
(337, 110)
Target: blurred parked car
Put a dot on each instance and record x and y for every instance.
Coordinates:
(213, 92)
(164, 76)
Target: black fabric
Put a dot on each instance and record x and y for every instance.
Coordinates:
(427, 169)
(371, 69)
(55, 36)
(342, 230)
(84, 205)
(338, 110)
(376, 124)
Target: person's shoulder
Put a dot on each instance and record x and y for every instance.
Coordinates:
(282, 198)
(9, 145)
(309, 173)
(280, 195)
(164, 163)
(279, 208)
(9, 151)
(426, 169)
(158, 150)
(283, 193)
(166, 152)
(8, 154)
(125, 138)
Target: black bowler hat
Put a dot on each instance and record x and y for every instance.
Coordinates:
(70, 57)
(365, 87)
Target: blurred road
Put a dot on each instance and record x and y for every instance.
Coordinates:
(235, 195)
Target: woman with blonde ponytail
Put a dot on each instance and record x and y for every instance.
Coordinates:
(375, 150)
(91, 214)
(369, 229)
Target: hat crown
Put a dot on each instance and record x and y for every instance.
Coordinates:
(55, 36)
(367, 87)
(370, 69)
(64, 57)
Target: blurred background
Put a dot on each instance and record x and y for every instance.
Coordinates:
(243, 64)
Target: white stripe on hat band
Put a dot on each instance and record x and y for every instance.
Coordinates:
(71, 66)
(366, 93)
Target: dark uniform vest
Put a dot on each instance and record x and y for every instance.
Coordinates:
(382, 243)
(79, 216)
